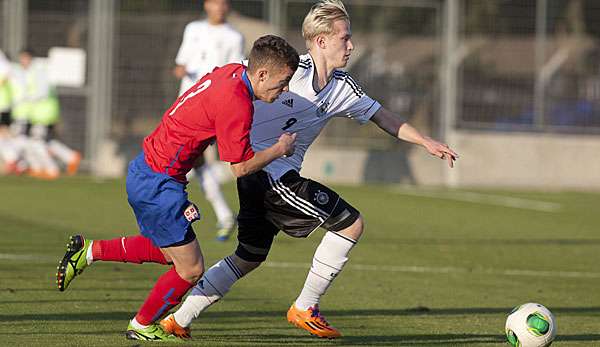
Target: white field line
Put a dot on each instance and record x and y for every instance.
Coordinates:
(489, 199)
(448, 270)
(375, 268)
(27, 257)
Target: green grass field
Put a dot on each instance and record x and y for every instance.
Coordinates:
(438, 269)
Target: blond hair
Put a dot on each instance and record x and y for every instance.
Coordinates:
(321, 17)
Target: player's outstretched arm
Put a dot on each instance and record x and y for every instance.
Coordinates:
(283, 147)
(399, 128)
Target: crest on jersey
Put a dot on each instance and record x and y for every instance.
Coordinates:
(321, 197)
(322, 108)
(191, 213)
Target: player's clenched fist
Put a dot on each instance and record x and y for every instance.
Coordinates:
(287, 142)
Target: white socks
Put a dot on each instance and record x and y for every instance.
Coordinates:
(215, 283)
(88, 255)
(61, 151)
(137, 325)
(212, 191)
(8, 151)
(328, 261)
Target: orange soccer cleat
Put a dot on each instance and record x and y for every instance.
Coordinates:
(312, 321)
(73, 165)
(170, 326)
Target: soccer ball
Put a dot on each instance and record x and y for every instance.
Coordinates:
(530, 325)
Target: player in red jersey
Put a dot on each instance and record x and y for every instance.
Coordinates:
(217, 108)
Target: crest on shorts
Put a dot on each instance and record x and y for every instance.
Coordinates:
(321, 197)
(191, 213)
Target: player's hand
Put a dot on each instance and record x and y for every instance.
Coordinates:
(440, 150)
(287, 142)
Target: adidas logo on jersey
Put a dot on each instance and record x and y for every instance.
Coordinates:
(288, 103)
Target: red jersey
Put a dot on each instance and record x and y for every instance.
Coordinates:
(218, 106)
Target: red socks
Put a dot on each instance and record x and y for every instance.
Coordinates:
(167, 293)
(168, 290)
(131, 249)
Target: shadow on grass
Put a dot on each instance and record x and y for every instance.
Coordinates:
(369, 340)
(245, 315)
(447, 339)
(294, 340)
(586, 337)
(263, 336)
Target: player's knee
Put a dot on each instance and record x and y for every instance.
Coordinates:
(355, 230)
(243, 265)
(359, 226)
(251, 255)
(346, 220)
(191, 273)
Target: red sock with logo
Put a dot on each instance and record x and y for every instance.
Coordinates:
(167, 293)
(130, 249)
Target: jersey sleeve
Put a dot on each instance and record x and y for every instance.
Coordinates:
(183, 55)
(233, 133)
(357, 105)
(362, 109)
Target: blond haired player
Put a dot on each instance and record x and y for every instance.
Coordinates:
(278, 198)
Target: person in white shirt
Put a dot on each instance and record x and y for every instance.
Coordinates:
(278, 198)
(208, 44)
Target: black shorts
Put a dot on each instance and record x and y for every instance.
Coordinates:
(5, 118)
(293, 204)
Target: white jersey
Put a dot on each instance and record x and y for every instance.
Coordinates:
(206, 46)
(305, 112)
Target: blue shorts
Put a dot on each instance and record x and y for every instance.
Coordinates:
(160, 204)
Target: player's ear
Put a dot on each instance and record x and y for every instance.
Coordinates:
(321, 41)
(262, 74)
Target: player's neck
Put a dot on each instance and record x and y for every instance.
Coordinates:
(215, 22)
(323, 71)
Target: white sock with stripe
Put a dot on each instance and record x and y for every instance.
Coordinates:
(212, 191)
(215, 283)
(328, 261)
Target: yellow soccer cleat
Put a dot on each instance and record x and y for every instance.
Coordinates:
(170, 326)
(312, 321)
(74, 261)
(150, 333)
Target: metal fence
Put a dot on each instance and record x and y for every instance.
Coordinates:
(530, 65)
(496, 65)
